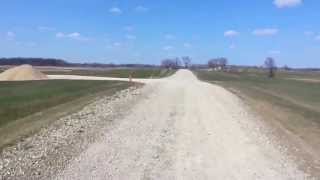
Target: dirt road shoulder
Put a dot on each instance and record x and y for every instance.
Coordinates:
(42, 155)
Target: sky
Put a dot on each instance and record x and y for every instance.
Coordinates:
(141, 31)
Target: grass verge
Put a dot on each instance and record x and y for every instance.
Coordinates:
(291, 107)
(120, 73)
(25, 107)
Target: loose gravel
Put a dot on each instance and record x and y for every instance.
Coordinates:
(45, 153)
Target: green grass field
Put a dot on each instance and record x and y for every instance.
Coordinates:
(301, 96)
(121, 73)
(20, 99)
(26, 107)
(294, 104)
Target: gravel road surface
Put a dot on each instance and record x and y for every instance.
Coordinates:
(182, 128)
(95, 78)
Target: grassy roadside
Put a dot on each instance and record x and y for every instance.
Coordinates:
(301, 93)
(25, 107)
(20, 99)
(121, 73)
(302, 75)
(292, 106)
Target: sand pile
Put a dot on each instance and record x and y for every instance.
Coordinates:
(22, 73)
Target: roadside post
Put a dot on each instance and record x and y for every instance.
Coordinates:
(130, 78)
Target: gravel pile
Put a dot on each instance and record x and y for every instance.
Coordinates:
(22, 73)
(44, 154)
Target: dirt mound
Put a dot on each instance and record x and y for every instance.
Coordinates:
(22, 73)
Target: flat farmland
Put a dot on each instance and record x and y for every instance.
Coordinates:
(287, 102)
(27, 106)
(119, 73)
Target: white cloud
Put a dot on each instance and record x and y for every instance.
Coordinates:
(26, 44)
(31, 44)
(141, 9)
(128, 28)
(74, 36)
(312, 34)
(187, 45)
(10, 35)
(115, 10)
(60, 35)
(131, 37)
(309, 33)
(116, 44)
(231, 33)
(287, 3)
(170, 36)
(265, 32)
(45, 28)
(168, 48)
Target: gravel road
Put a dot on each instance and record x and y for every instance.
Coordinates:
(182, 128)
(44, 154)
(95, 78)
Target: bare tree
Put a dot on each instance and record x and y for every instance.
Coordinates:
(213, 63)
(270, 64)
(286, 68)
(218, 63)
(167, 63)
(177, 63)
(171, 63)
(222, 62)
(186, 61)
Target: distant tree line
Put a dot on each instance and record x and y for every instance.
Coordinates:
(218, 63)
(186, 62)
(171, 63)
(62, 63)
(176, 63)
(33, 61)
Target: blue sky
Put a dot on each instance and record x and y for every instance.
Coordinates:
(141, 31)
